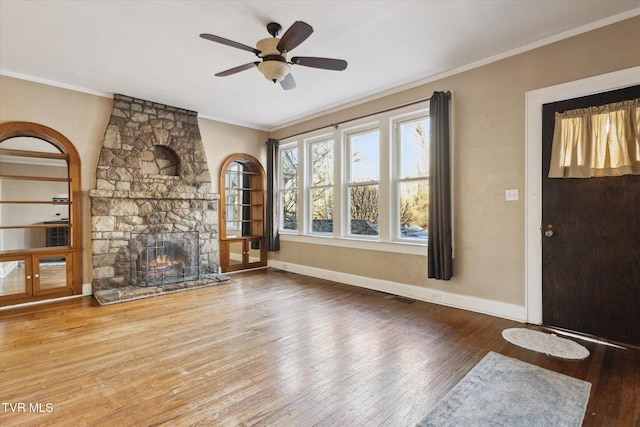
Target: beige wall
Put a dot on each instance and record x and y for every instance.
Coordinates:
(221, 140)
(83, 118)
(489, 140)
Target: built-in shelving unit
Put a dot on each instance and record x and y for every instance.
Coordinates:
(40, 225)
(242, 213)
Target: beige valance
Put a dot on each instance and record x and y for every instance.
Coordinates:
(597, 141)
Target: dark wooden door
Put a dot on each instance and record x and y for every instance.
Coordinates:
(591, 263)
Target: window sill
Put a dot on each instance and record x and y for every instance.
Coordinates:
(396, 247)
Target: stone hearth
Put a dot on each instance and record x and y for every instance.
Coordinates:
(152, 176)
(128, 293)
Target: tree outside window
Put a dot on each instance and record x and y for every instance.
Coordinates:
(321, 186)
(393, 207)
(289, 189)
(363, 183)
(413, 178)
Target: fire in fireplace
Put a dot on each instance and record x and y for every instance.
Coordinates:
(163, 258)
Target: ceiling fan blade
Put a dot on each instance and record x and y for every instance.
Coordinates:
(288, 82)
(323, 63)
(237, 69)
(296, 34)
(231, 43)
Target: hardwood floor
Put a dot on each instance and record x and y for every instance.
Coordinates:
(269, 348)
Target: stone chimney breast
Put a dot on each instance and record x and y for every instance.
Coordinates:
(152, 176)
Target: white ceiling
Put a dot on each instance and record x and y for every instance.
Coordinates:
(152, 49)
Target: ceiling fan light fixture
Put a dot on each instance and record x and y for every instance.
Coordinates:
(275, 71)
(272, 51)
(273, 66)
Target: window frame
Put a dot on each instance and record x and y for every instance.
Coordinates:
(348, 184)
(396, 122)
(388, 239)
(309, 187)
(281, 189)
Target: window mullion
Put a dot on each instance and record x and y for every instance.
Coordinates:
(386, 205)
(339, 177)
(304, 180)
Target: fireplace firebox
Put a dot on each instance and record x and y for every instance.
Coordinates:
(164, 258)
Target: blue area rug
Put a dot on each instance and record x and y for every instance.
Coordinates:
(502, 391)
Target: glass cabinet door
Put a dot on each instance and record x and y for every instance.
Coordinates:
(256, 254)
(51, 274)
(36, 275)
(15, 277)
(236, 254)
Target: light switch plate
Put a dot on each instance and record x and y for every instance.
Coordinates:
(511, 195)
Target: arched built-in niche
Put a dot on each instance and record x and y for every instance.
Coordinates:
(242, 213)
(40, 214)
(160, 160)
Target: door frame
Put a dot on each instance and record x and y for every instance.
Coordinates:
(533, 170)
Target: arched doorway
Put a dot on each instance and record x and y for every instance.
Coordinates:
(40, 214)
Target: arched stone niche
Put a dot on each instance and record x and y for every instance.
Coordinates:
(159, 160)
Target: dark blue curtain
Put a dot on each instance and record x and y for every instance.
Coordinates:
(440, 244)
(272, 236)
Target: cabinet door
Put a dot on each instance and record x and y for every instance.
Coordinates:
(232, 255)
(16, 277)
(35, 276)
(52, 274)
(255, 252)
(240, 254)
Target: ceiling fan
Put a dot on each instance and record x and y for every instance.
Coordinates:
(273, 53)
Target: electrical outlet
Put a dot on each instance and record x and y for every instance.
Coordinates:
(511, 195)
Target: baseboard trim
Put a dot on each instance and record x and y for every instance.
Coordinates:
(86, 291)
(436, 296)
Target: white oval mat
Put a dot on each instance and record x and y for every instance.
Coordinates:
(542, 342)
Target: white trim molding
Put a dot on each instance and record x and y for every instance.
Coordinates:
(436, 296)
(533, 169)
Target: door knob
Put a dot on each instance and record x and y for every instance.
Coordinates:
(549, 231)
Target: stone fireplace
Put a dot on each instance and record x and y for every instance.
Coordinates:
(152, 182)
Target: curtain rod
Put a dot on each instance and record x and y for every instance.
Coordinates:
(335, 125)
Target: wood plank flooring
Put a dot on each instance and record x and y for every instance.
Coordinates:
(269, 348)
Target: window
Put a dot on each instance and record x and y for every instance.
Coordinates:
(597, 141)
(365, 185)
(321, 185)
(289, 189)
(412, 188)
(363, 175)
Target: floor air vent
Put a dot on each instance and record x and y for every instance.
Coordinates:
(404, 300)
